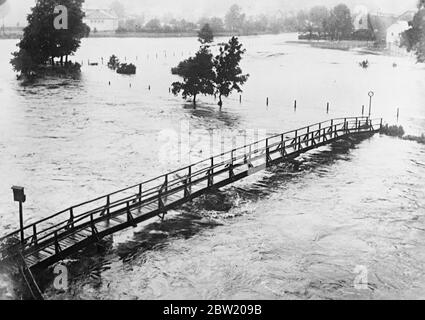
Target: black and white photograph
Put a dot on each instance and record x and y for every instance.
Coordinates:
(212, 150)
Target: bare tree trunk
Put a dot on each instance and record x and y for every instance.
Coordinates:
(194, 101)
(61, 61)
(220, 102)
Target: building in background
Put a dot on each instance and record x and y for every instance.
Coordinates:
(394, 33)
(101, 20)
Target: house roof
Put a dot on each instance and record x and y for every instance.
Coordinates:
(407, 16)
(100, 14)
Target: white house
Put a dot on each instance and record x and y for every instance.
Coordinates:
(101, 20)
(394, 33)
(361, 21)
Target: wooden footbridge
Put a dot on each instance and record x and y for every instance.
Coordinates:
(55, 238)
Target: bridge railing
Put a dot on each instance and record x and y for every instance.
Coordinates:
(179, 181)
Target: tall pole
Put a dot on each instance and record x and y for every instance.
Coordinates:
(371, 94)
(21, 222)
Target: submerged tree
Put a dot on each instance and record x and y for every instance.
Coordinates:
(43, 41)
(414, 38)
(206, 35)
(198, 75)
(228, 73)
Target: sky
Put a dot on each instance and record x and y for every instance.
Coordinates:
(194, 9)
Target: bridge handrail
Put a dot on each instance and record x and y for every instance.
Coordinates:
(179, 180)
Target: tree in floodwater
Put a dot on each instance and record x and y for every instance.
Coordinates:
(206, 35)
(198, 75)
(414, 38)
(228, 73)
(340, 24)
(43, 41)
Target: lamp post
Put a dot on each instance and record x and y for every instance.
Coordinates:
(371, 94)
(19, 196)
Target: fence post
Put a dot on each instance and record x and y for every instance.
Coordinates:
(231, 165)
(34, 230)
(211, 173)
(296, 138)
(140, 193)
(57, 246)
(108, 203)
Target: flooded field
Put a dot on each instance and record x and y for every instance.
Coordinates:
(294, 232)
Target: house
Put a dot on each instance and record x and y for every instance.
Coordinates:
(101, 20)
(394, 33)
(379, 24)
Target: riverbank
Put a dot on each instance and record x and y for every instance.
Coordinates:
(344, 45)
(113, 34)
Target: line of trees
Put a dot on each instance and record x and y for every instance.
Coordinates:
(335, 23)
(42, 43)
(414, 38)
(207, 74)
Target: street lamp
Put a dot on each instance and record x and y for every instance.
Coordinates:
(19, 196)
(371, 94)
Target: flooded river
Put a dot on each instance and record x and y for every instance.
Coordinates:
(294, 232)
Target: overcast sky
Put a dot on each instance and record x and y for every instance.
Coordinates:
(193, 9)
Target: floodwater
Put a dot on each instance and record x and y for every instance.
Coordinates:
(309, 230)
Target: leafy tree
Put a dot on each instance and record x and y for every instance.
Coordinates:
(198, 75)
(340, 24)
(42, 42)
(228, 73)
(216, 24)
(234, 18)
(22, 62)
(302, 20)
(153, 25)
(414, 38)
(118, 8)
(206, 35)
(319, 15)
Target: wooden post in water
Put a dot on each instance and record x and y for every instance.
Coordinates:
(267, 101)
(240, 98)
(295, 105)
(362, 110)
(327, 107)
(398, 114)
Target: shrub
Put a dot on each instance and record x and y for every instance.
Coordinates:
(393, 131)
(126, 68)
(113, 62)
